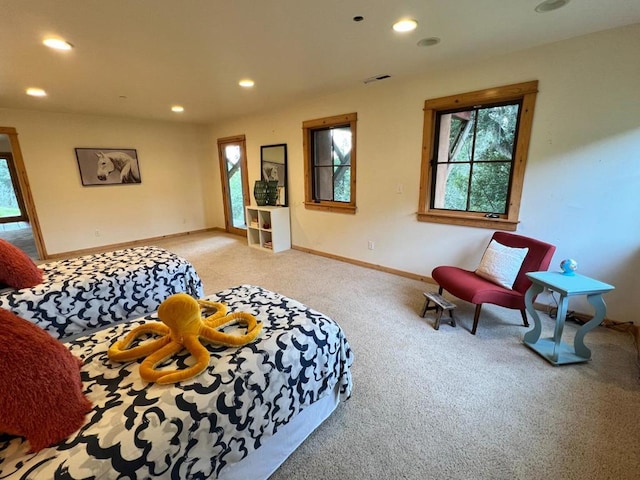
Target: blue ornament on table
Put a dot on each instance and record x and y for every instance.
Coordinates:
(569, 266)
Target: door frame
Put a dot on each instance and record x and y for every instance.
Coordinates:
(25, 189)
(226, 198)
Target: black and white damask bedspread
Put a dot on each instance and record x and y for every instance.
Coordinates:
(92, 291)
(193, 429)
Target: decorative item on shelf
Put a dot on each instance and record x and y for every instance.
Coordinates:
(569, 266)
(266, 226)
(272, 192)
(260, 192)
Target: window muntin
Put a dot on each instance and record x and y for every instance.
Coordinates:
(485, 169)
(329, 150)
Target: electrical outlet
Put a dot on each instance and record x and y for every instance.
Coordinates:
(372, 245)
(97, 233)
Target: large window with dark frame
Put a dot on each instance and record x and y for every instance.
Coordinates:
(330, 161)
(474, 155)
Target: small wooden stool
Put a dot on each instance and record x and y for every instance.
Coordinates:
(440, 304)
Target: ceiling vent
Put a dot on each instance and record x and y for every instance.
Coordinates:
(376, 78)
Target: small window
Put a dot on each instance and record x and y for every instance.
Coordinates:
(474, 156)
(330, 163)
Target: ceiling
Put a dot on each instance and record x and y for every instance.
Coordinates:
(137, 58)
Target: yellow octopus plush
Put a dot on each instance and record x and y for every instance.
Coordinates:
(183, 326)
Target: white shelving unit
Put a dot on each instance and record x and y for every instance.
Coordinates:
(268, 228)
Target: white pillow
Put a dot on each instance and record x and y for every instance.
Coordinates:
(500, 264)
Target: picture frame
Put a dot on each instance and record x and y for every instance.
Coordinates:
(273, 165)
(108, 166)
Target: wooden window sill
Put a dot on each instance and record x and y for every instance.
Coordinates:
(469, 221)
(333, 207)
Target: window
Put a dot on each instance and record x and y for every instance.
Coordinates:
(330, 163)
(474, 153)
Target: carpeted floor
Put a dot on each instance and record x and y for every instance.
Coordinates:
(20, 235)
(442, 404)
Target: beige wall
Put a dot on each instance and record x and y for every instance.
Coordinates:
(175, 165)
(581, 184)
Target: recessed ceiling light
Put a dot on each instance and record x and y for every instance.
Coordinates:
(550, 5)
(246, 83)
(36, 92)
(177, 108)
(57, 43)
(406, 25)
(428, 42)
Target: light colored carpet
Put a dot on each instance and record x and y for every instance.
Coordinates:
(442, 404)
(22, 238)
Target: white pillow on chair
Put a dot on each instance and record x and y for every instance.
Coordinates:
(500, 264)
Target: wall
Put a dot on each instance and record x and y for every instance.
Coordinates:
(581, 183)
(174, 163)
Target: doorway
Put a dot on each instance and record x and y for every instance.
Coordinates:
(14, 222)
(235, 184)
(18, 219)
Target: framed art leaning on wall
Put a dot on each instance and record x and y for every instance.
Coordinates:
(108, 166)
(273, 162)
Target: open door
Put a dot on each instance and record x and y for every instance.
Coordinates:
(235, 184)
(24, 207)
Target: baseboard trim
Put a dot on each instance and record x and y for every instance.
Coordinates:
(360, 263)
(115, 246)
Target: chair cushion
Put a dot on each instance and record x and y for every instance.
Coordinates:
(468, 286)
(500, 264)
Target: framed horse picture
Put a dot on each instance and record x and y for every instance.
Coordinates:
(108, 166)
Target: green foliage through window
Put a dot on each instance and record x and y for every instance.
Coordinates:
(234, 174)
(8, 201)
(475, 152)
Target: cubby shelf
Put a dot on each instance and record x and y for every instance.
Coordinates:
(268, 228)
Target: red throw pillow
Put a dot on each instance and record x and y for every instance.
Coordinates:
(17, 270)
(41, 392)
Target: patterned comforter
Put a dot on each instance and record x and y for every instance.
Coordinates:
(93, 291)
(193, 429)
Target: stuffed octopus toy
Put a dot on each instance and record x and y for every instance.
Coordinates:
(183, 326)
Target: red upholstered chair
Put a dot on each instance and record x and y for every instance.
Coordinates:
(470, 287)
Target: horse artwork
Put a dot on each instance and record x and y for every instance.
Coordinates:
(125, 164)
(108, 166)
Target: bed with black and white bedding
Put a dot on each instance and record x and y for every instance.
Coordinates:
(92, 291)
(239, 419)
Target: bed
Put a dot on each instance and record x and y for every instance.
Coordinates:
(92, 291)
(240, 419)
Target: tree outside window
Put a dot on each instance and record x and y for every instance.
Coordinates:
(474, 155)
(330, 161)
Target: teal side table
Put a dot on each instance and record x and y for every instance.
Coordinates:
(553, 349)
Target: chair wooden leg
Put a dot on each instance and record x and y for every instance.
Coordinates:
(476, 317)
(524, 317)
